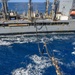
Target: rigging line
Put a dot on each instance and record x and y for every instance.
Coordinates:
(38, 39)
(47, 50)
(40, 28)
(54, 62)
(52, 58)
(46, 29)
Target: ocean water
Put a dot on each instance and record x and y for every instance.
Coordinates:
(21, 7)
(19, 54)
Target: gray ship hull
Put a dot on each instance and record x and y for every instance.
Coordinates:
(49, 27)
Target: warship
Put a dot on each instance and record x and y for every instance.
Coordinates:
(60, 20)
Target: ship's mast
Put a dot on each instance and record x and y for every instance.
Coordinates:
(47, 6)
(4, 8)
(54, 9)
(29, 9)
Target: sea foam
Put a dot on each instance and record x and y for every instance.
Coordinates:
(5, 43)
(36, 68)
(73, 53)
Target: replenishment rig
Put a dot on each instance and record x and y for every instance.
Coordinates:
(61, 19)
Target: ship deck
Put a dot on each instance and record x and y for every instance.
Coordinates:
(27, 22)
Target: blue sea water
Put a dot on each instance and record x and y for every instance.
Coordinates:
(19, 54)
(21, 7)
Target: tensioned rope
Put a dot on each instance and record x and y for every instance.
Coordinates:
(52, 58)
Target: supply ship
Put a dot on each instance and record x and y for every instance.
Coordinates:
(60, 20)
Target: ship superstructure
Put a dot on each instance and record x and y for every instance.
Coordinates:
(65, 6)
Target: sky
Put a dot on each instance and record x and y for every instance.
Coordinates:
(28, 0)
